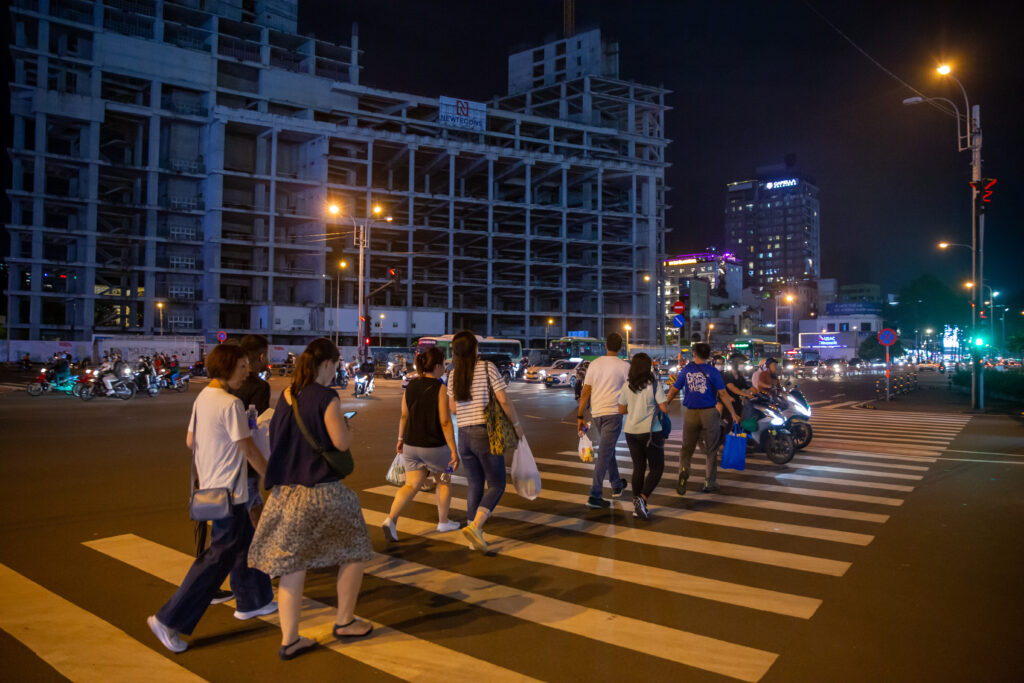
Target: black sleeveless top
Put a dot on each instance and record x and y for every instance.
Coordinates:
(423, 428)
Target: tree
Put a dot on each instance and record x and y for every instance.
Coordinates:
(926, 302)
(870, 349)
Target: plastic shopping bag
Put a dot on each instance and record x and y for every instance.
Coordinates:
(396, 473)
(525, 477)
(586, 448)
(734, 452)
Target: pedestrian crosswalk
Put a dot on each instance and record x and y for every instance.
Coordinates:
(706, 587)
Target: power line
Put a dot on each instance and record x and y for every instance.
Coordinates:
(881, 66)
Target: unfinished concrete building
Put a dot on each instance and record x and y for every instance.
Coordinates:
(173, 167)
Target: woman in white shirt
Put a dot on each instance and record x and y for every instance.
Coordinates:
(641, 397)
(222, 441)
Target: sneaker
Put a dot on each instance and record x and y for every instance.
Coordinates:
(681, 484)
(390, 532)
(619, 488)
(169, 637)
(222, 596)
(475, 537)
(447, 526)
(597, 503)
(640, 508)
(710, 488)
(268, 608)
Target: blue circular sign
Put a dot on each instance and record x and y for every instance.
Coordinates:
(887, 337)
(679, 321)
(222, 336)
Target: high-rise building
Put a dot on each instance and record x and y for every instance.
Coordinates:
(772, 223)
(174, 161)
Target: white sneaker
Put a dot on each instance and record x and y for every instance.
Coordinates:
(268, 608)
(167, 636)
(447, 526)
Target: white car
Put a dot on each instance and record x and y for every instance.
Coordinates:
(538, 373)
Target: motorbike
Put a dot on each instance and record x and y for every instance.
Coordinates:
(47, 381)
(145, 379)
(120, 387)
(167, 381)
(796, 411)
(363, 384)
(771, 435)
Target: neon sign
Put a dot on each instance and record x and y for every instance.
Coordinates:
(791, 182)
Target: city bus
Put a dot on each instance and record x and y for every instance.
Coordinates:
(587, 348)
(511, 347)
(756, 349)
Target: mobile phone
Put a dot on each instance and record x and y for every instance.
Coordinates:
(350, 414)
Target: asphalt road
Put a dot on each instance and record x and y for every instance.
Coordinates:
(889, 549)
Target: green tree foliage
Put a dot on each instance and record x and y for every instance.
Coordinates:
(870, 349)
(927, 302)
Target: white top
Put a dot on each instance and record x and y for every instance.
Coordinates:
(220, 422)
(471, 412)
(605, 377)
(641, 406)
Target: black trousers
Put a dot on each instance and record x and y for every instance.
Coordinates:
(646, 450)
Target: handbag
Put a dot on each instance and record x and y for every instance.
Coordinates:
(662, 418)
(340, 462)
(734, 452)
(500, 432)
(206, 505)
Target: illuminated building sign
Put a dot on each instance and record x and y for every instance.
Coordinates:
(578, 333)
(791, 182)
(827, 341)
(680, 262)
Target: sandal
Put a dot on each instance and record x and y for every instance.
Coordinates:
(285, 655)
(351, 636)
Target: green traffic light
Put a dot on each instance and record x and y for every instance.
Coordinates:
(978, 341)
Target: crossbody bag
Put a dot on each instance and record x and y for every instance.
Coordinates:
(340, 462)
(206, 505)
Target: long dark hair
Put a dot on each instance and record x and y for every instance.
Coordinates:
(640, 374)
(464, 352)
(309, 360)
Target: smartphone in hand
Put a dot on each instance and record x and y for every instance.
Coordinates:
(350, 414)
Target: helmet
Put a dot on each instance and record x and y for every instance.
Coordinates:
(737, 356)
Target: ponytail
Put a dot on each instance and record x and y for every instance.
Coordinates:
(308, 362)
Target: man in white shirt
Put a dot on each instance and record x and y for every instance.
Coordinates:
(601, 388)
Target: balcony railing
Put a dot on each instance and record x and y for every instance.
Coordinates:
(183, 165)
(180, 262)
(186, 108)
(182, 202)
(184, 232)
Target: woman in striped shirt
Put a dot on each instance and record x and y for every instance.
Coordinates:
(469, 387)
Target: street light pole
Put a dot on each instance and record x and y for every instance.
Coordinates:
(160, 307)
(380, 332)
(627, 328)
(546, 328)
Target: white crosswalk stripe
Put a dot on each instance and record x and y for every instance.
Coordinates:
(767, 544)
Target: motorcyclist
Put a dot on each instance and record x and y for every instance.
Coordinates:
(737, 386)
(766, 378)
(26, 362)
(61, 368)
(173, 367)
(106, 373)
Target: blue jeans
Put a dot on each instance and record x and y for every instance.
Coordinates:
(481, 466)
(228, 554)
(604, 432)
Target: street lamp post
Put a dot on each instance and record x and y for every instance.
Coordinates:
(789, 300)
(970, 139)
(711, 326)
(627, 328)
(337, 304)
(546, 328)
(160, 307)
(380, 332)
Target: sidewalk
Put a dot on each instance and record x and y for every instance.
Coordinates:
(934, 396)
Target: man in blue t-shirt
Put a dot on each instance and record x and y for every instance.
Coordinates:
(701, 385)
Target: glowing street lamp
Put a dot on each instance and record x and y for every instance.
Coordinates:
(160, 307)
(627, 328)
(547, 327)
(788, 298)
(944, 69)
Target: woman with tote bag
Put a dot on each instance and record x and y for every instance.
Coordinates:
(640, 400)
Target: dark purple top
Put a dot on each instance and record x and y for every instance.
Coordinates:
(292, 460)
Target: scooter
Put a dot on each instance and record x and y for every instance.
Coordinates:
(120, 387)
(363, 384)
(796, 411)
(771, 435)
(47, 381)
(145, 379)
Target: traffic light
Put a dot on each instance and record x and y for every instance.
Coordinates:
(364, 323)
(396, 279)
(979, 341)
(983, 192)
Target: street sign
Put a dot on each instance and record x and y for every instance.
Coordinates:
(222, 336)
(679, 307)
(887, 337)
(679, 321)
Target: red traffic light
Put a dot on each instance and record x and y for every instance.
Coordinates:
(366, 341)
(391, 272)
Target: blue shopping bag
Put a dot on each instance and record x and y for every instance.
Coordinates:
(734, 452)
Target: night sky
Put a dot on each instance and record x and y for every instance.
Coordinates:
(752, 82)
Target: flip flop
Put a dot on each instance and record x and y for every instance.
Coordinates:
(285, 655)
(350, 636)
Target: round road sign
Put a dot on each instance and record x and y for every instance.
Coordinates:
(679, 321)
(222, 336)
(679, 307)
(887, 337)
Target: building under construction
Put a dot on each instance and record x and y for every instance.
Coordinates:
(173, 165)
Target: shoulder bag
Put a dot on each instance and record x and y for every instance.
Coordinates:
(340, 462)
(661, 417)
(500, 432)
(206, 505)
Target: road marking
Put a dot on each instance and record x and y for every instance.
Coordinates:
(845, 482)
(1005, 455)
(880, 448)
(763, 503)
(845, 404)
(75, 642)
(872, 456)
(862, 473)
(1000, 462)
(621, 570)
(690, 649)
(399, 654)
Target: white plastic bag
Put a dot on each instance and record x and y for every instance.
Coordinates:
(396, 473)
(586, 448)
(525, 477)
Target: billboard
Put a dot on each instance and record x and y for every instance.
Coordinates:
(853, 308)
(462, 114)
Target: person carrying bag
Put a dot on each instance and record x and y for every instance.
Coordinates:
(642, 401)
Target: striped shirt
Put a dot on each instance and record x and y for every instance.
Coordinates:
(471, 412)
